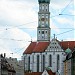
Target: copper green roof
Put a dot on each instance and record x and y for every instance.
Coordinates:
(44, 1)
(68, 50)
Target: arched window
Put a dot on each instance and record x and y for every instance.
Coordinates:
(29, 63)
(37, 63)
(43, 62)
(50, 60)
(58, 62)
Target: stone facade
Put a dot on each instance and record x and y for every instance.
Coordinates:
(18, 65)
(53, 58)
(5, 67)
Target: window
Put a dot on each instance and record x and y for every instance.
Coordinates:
(46, 31)
(29, 63)
(46, 8)
(50, 60)
(58, 62)
(37, 63)
(33, 58)
(43, 62)
(43, 7)
(42, 32)
(39, 31)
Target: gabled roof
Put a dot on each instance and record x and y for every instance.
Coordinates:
(67, 44)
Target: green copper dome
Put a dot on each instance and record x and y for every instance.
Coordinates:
(68, 50)
(44, 1)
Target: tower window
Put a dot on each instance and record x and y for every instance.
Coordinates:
(39, 31)
(46, 31)
(42, 32)
(46, 9)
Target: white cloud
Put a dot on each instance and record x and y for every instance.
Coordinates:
(17, 11)
(13, 39)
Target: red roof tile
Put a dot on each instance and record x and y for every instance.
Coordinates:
(41, 47)
(40, 73)
(30, 48)
(50, 72)
(67, 44)
(34, 73)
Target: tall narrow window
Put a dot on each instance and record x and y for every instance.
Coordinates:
(37, 63)
(58, 62)
(29, 63)
(43, 7)
(50, 60)
(43, 62)
(42, 32)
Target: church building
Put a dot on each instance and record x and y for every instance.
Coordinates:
(44, 54)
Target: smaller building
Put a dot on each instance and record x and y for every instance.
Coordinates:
(5, 67)
(69, 63)
(18, 65)
(73, 63)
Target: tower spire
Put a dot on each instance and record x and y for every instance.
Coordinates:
(43, 29)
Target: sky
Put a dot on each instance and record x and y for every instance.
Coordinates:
(19, 22)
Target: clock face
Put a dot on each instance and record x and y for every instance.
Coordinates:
(42, 19)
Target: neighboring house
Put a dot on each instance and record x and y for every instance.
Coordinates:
(18, 65)
(45, 52)
(69, 63)
(6, 68)
(73, 63)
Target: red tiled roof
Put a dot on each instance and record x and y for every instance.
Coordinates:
(36, 47)
(50, 72)
(41, 47)
(30, 48)
(34, 73)
(40, 73)
(67, 44)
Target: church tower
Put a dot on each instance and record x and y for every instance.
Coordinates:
(43, 29)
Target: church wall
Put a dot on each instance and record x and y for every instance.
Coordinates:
(33, 60)
(54, 61)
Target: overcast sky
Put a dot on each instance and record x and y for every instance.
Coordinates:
(19, 21)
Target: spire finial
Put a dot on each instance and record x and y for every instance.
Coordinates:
(54, 36)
